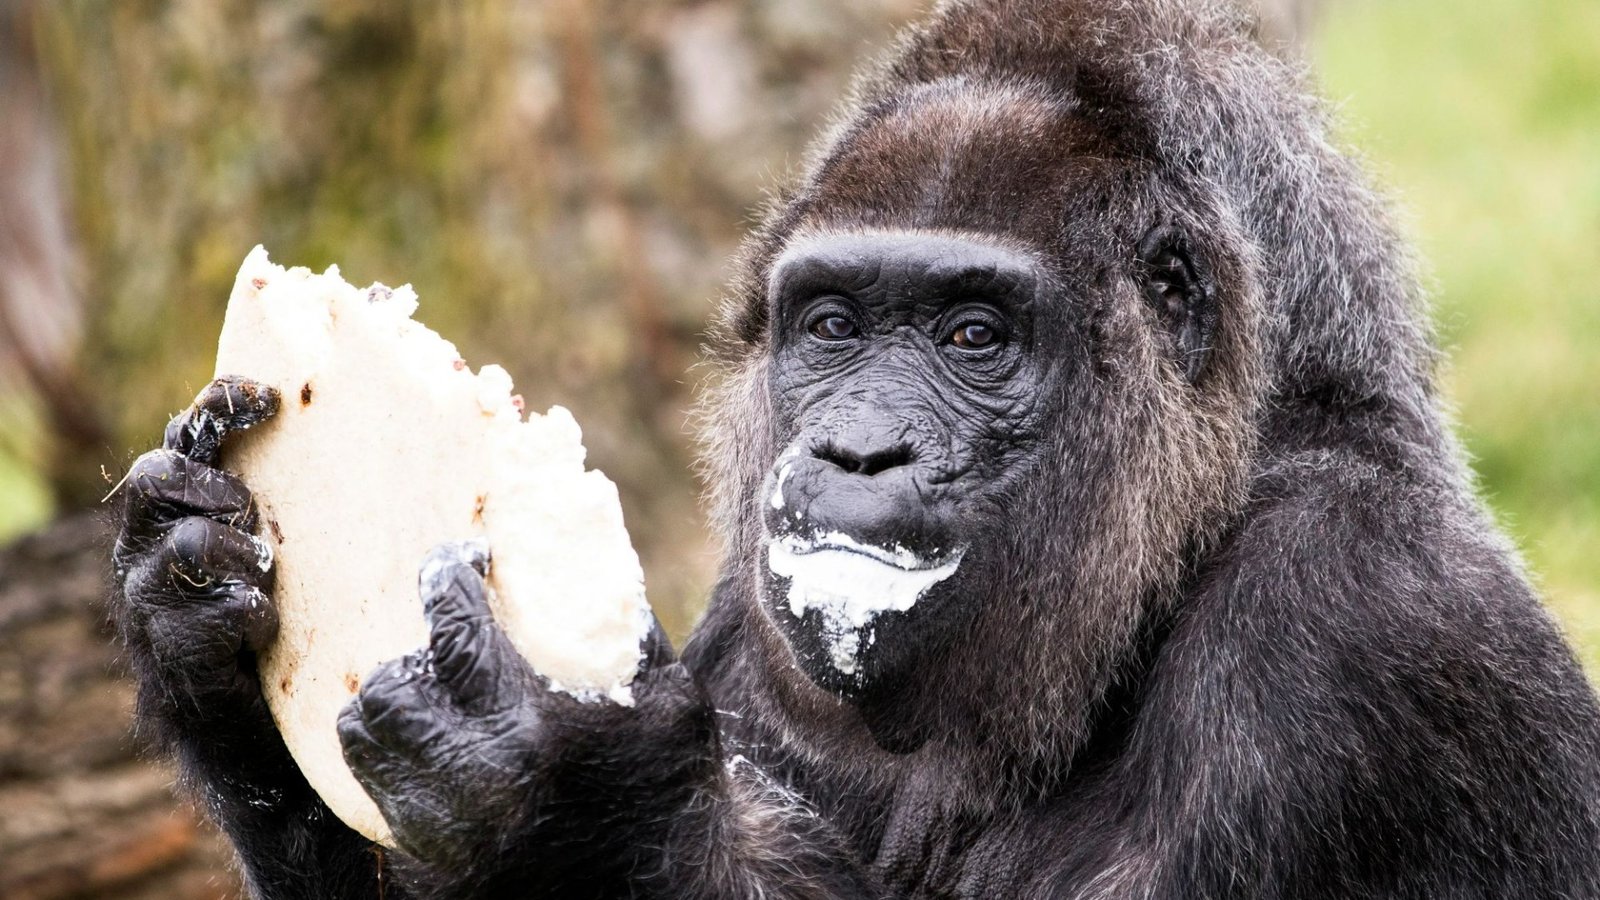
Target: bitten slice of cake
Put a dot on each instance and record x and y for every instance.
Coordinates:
(385, 445)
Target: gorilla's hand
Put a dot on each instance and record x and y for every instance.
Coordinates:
(193, 609)
(479, 766)
(443, 738)
(192, 605)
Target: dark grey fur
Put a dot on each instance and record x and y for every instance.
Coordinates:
(1274, 646)
(1243, 628)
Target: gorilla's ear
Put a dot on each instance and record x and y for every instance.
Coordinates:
(1178, 286)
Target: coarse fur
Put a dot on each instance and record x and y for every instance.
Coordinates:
(1281, 651)
(1231, 620)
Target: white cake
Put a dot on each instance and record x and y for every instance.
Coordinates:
(386, 445)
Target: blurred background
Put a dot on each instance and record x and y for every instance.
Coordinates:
(563, 181)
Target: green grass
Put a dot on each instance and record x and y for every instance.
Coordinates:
(1484, 120)
(25, 501)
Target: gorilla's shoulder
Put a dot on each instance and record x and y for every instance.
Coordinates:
(1368, 629)
(1394, 563)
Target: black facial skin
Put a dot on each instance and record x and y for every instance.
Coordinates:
(898, 423)
(1081, 290)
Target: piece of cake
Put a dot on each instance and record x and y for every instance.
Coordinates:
(385, 445)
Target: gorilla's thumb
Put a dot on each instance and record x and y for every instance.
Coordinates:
(467, 649)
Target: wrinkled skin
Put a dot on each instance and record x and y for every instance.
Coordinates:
(1079, 326)
(902, 431)
(194, 610)
(467, 694)
(459, 743)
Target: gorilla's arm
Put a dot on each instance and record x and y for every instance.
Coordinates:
(193, 606)
(495, 785)
(498, 786)
(1361, 698)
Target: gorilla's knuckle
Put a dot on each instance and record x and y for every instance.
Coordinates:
(260, 615)
(192, 547)
(351, 727)
(212, 492)
(192, 641)
(206, 555)
(149, 587)
(145, 489)
(152, 469)
(393, 686)
(406, 720)
(458, 646)
(348, 723)
(184, 428)
(375, 765)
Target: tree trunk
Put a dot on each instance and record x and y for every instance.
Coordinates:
(41, 313)
(83, 812)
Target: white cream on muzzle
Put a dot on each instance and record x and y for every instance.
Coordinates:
(851, 583)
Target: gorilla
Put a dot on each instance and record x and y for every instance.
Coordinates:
(1093, 530)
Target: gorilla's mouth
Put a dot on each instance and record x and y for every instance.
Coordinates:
(851, 583)
(897, 557)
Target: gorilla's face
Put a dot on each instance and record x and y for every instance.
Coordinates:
(907, 384)
(1001, 402)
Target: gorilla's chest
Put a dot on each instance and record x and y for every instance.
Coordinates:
(921, 842)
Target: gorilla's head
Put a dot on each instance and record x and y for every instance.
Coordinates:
(990, 381)
(992, 376)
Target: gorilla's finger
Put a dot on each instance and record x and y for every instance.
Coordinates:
(254, 611)
(230, 403)
(472, 658)
(197, 643)
(163, 485)
(400, 706)
(361, 752)
(193, 562)
(199, 553)
(378, 768)
(448, 564)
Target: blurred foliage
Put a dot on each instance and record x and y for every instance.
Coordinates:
(1485, 120)
(562, 180)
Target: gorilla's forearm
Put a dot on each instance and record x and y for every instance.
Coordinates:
(300, 850)
(290, 846)
(674, 833)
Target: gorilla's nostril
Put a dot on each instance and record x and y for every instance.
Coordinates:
(865, 462)
(892, 458)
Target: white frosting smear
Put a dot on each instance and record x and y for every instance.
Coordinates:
(851, 584)
(777, 492)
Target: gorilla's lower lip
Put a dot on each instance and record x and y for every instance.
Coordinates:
(897, 556)
(850, 584)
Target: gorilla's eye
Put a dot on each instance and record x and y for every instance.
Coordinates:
(834, 328)
(974, 336)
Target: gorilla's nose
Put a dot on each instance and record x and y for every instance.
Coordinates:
(866, 480)
(864, 454)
